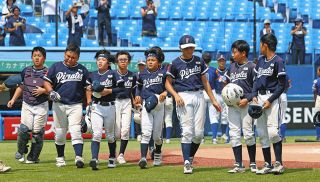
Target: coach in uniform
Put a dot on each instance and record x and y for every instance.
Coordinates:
(190, 79)
(66, 83)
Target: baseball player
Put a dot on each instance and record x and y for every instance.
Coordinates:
(34, 110)
(188, 71)
(268, 86)
(316, 93)
(123, 102)
(151, 91)
(283, 107)
(217, 80)
(242, 73)
(103, 111)
(66, 84)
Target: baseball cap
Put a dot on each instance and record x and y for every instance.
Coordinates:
(298, 20)
(220, 57)
(267, 21)
(141, 62)
(187, 41)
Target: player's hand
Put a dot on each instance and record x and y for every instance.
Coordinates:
(162, 96)
(38, 91)
(54, 96)
(255, 100)
(266, 105)
(106, 91)
(243, 102)
(138, 100)
(217, 106)
(10, 103)
(179, 101)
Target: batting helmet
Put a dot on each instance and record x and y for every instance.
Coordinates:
(255, 111)
(231, 94)
(316, 119)
(151, 102)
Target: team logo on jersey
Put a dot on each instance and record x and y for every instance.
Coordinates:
(264, 72)
(128, 84)
(245, 68)
(107, 82)
(238, 76)
(63, 77)
(152, 81)
(110, 76)
(130, 78)
(160, 74)
(198, 62)
(186, 73)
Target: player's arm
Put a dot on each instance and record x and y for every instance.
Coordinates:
(143, 12)
(88, 96)
(163, 96)
(16, 95)
(170, 89)
(208, 89)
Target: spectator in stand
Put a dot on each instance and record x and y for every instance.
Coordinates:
(298, 32)
(75, 24)
(7, 9)
(104, 20)
(16, 26)
(2, 36)
(266, 28)
(48, 10)
(149, 14)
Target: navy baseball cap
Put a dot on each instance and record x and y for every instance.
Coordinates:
(298, 20)
(187, 41)
(221, 57)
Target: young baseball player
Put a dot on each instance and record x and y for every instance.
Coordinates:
(268, 86)
(217, 80)
(242, 73)
(66, 84)
(34, 111)
(103, 111)
(316, 93)
(123, 102)
(188, 71)
(151, 91)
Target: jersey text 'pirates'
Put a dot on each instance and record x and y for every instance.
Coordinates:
(150, 83)
(129, 80)
(242, 75)
(187, 73)
(69, 82)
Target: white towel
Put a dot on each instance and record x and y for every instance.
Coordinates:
(74, 21)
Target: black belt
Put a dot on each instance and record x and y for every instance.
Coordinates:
(193, 90)
(264, 92)
(104, 103)
(169, 96)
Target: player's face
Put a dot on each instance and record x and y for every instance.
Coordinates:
(141, 67)
(263, 48)
(187, 52)
(74, 10)
(237, 55)
(123, 61)
(267, 25)
(152, 64)
(221, 63)
(102, 64)
(16, 12)
(70, 58)
(38, 59)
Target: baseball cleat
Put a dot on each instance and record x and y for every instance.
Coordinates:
(112, 163)
(253, 167)
(237, 169)
(79, 162)
(121, 159)
(266, 169)
(4, 168)
(60, 162)
(214, 141)
(157, 159)
(94, 164)
(187, 169)
(19, 157)
(143, 163)
(277, 168)
(32, 161)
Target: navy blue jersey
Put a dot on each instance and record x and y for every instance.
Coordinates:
(108, 80)
(187, 73)
(69, 82)
(268, 77)
(130, 81)
(31, 78)
(242, 75)
(220, 80)
(150, 83)
(211, 76)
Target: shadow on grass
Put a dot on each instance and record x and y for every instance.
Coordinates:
(206, 169)
(288, 171)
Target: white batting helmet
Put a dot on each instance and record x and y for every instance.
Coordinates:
(231, 94)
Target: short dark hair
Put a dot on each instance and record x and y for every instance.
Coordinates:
(123, 53)
(14, 1)
(40, 49)
(73, 48)
(241, 45)
(206, 56)
(157, 51)
(270, 40)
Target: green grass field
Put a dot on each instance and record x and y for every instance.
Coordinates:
(47, 171)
